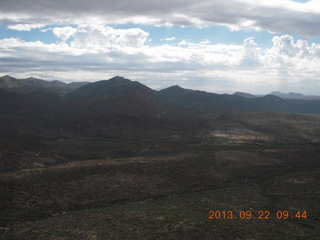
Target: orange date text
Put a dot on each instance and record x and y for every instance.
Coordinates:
(261, 215)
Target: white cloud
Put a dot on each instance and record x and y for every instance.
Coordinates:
(206, 41)
(285, 45)
(105, 37)
(99, 52)
(250, 54)
(64, 33)
(25, 27)
(168, 39)
(182, 43)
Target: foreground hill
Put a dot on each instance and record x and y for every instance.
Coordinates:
(92, 188)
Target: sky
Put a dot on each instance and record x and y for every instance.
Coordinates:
(253, 46)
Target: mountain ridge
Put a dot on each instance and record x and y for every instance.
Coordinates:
(14, 84)
(243, 94)
(121, 95)
(28, 85)
(107, 94)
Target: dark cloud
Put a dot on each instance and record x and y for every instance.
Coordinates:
(282, 16)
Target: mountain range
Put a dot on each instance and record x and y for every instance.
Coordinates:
(119, 107)
(292, 95)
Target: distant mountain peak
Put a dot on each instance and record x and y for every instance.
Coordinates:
(245, 95)
(7, 77)
(271, 96)
(28, 85)
(279, 94)
(293, 95)
(115, 86)
(32, 78)
(174, 88)
(8, 82)
(119, 78)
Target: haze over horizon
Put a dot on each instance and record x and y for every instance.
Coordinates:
(216, 46)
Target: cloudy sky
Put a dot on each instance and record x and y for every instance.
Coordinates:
(254, 46)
